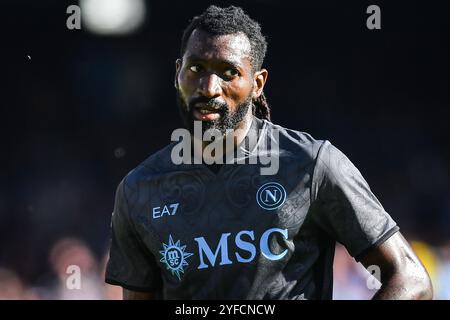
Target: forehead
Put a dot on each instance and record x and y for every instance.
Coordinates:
(229, 47)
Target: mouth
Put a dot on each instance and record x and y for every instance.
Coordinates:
(204, 113)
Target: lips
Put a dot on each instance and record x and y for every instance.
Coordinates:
(204, 112)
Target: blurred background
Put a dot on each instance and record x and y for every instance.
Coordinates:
(81, 108)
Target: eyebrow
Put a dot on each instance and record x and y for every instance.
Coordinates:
(233, 63)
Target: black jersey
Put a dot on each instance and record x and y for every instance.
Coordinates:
(189, 232)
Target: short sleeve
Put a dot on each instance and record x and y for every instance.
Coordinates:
(345, 207)
(130, 265)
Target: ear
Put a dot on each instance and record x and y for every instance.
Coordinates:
(259, 80)
(178, 64)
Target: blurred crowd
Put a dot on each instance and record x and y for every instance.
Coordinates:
(76, 274)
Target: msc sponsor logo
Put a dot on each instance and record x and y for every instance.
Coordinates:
(271, 196)
(174, 257)
(244, 241)
(223, 252)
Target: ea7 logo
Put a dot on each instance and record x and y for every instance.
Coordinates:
(168, 210)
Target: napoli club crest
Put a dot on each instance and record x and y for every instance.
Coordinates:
(271, 196)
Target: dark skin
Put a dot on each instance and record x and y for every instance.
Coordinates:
(220, 67)
(403, 276)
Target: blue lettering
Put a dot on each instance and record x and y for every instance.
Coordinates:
(247, 246)
(174, 207)
(272, 195)
(156, 212)
(165, 211)
(204, 248)
(264, 244)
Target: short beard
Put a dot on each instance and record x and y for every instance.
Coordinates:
(226, 120)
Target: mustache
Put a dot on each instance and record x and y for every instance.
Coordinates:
(209, 103)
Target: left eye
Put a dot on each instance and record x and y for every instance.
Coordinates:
(195, 68)
(230, 73)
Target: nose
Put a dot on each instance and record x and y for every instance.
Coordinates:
(210, 86)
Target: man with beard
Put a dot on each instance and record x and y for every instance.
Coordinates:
(193, 231)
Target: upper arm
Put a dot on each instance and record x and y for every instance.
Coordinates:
(131, 263)
(397, 261)
(393, 254)
(347, 210)
(344, 205)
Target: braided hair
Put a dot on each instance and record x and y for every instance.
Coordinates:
(261, 108)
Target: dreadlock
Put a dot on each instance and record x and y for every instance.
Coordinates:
(261, 108)
(230, 20)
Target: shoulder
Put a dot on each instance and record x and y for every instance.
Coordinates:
(157, 164)
(294, 143)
